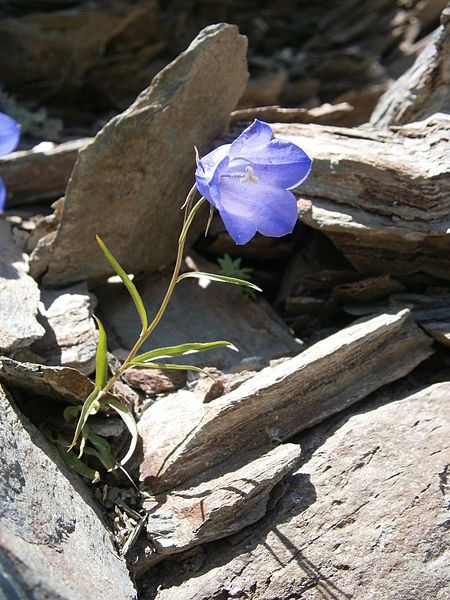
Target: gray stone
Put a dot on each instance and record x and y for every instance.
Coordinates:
(365, 517)
(50, 529)
(19, 296)
(129, 184)
(182, 436)
(71, 336)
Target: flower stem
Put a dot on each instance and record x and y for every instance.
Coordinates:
(190, 213)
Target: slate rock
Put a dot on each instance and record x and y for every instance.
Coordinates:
(129, 184)
(63, 384)
(381, 196)
(19, 296)
(365, 517)
(50, 529)
(155, 381)
(226, 500)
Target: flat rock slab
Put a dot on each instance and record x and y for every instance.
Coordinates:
(57, 383)
(381, 196)
(49, 527)
(70, 338)
(19, 296)
(182, 436)
(129, 184)
(231, 497)
(197, 314)
(33, 175)
(366, 517)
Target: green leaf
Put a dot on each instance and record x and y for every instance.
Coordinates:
(129, 421)
(78, 465)
(181, 350)
(221, 278)
(149, 365)
(71, 412)
(101, 358)
(232, 268)
(91, 406)
(127, 283)
(102, 450)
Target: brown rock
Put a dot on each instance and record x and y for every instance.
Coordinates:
(32, 175)
(197, 314)
(59, 383)
(155, 381)
(326, 114)
(228, 499)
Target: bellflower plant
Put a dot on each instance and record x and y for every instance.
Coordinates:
(9, 138)
(249, 183)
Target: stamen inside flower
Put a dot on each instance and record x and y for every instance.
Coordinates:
(249, 176)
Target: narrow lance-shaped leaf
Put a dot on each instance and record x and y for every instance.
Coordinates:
(101, 358)
(127, 283)
(220, 278)
(182, 350)
(108, 464)
(129, 421)
(102, 450)
(150, 365)
(78, 465)
(90, 406)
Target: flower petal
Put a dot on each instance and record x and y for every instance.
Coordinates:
(248, 207)
(207, 172)
(257, 135)
(2, 195)
(279, 163)
(278, 213)
(208, 180)
(9, 134)
(241, 229)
